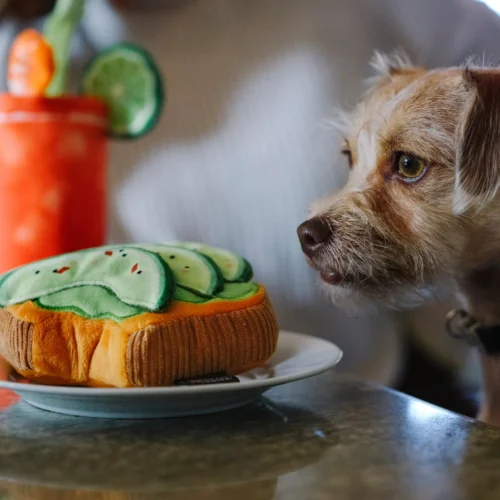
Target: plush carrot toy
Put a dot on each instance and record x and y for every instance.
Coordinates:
(31, 64)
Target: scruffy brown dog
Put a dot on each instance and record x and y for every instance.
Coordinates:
(420, 210)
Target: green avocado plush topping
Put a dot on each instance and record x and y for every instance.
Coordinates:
(136, 276)
(233, 267)
(117, 282)
(192, 270)
(94, 302)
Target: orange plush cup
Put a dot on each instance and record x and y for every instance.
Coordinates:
(52, 176)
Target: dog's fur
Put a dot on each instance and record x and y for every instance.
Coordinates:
(395, 242)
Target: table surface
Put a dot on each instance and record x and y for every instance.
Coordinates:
(327, 437)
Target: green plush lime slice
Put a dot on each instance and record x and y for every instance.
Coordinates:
(127, 79)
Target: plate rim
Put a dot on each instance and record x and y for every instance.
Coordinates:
(54, 390)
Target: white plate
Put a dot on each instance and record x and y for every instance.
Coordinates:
(297, 357)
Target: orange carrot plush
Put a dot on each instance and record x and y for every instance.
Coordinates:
(31, 64)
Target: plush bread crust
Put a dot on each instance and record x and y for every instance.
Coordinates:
(151, 349)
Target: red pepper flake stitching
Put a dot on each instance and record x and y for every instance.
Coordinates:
(134, 268)
(109, 253)
(63, 270)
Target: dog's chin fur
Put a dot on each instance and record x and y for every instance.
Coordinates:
(356, 300)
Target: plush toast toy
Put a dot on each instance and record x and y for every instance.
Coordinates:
(135, 315)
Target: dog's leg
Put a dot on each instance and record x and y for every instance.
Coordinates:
(480, 294)
(490, 406)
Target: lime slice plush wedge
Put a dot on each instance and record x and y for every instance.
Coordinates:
(127, 79)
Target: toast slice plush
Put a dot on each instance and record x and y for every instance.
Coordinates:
(135, 315)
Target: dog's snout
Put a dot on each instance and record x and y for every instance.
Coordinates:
(313, 234)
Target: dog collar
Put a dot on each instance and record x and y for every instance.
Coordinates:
(461, 325)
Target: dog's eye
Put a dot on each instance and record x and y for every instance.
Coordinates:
(410, 167)
(347, 153)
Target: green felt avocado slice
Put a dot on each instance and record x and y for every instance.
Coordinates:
(231, 291)
(89, 301)
(234, 268)
(136, 276)
(192, 270)
(183, 295)
(236, 291)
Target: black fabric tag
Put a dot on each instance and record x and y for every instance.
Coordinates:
(214, 378)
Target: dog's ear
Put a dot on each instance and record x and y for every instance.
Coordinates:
(386, 67)
(477, 176)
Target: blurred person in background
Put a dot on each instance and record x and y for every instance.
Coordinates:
(245, 146)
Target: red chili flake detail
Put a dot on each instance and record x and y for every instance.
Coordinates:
(109, 253)
(63, 270)
(134, 268)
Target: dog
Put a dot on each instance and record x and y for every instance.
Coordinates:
(420, 212)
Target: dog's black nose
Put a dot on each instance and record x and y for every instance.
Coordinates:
(313, 234)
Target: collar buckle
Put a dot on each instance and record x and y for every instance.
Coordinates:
(460, 325)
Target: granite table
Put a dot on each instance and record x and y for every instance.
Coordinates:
(329, 437)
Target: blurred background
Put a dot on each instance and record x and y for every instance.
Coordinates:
(246, 144)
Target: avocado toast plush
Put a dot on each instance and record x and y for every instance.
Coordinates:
(135, 315)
